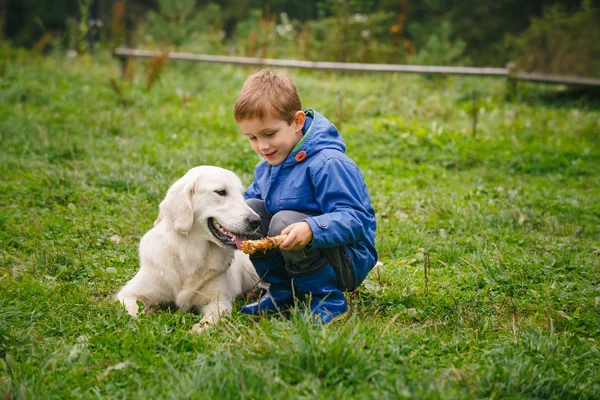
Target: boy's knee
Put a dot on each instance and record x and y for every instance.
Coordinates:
(257, 205)
(283, 219)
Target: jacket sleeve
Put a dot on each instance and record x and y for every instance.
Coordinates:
(252, 192)
(342, 194)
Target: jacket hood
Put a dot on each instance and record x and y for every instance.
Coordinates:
(319, 134)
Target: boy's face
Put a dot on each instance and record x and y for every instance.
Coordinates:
(272, 138)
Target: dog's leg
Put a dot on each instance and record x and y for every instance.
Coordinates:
(144, 287)
(130, 303)
(212, 314)
(198, 290)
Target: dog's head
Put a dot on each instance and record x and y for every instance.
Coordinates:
(210, 200)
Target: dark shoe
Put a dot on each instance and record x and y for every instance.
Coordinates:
(278, 298)
(270, 267)
(327, 301)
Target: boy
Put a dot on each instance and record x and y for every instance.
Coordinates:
(305, 187)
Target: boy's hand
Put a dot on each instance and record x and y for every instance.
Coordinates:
(299, 235)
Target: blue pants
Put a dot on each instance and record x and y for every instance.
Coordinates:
(305, 261)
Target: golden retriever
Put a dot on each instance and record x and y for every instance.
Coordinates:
(190, 259)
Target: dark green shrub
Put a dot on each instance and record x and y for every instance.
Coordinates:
(560, 43)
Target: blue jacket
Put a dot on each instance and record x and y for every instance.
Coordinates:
(327, 185)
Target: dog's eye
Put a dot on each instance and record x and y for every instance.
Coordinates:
(221, 192)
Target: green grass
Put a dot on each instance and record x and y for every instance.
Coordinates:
(490, 286)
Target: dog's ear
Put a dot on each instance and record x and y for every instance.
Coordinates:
(177, 206)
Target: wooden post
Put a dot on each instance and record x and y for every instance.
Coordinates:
(475, 112)
(122, 64)
(511, 81)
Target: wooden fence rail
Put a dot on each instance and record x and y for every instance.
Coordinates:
(124, 53)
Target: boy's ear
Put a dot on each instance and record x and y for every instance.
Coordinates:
(299, 119)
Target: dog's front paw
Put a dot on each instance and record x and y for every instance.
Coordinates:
(200, 327)
(130, 304)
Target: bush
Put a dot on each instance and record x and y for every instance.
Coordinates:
(441, 48)
(177, 21)
(560, 43)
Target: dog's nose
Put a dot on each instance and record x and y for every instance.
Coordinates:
(254, 221)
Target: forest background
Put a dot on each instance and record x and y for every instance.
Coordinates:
(552, 36)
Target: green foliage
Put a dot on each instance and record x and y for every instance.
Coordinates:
(560, 42)
(250, 33)
(83, 25)
(480, 24)
(346, 27)
(245, 28)
(489, 244)
(176, 21)
(344, 32)
(393, 32)
(441, 48)
(356, 37)
(26, 21)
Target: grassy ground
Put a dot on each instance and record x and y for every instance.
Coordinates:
(490, 284)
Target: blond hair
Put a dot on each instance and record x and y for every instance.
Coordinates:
(267, 93)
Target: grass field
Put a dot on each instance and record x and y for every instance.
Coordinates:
(489, 238)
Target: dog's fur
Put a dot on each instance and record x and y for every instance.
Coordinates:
(183, 261)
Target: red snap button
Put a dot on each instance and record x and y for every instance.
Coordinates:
(300, 156)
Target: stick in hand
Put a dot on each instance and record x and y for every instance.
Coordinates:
(264, 244)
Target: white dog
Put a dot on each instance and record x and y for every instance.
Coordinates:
(190, 259)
